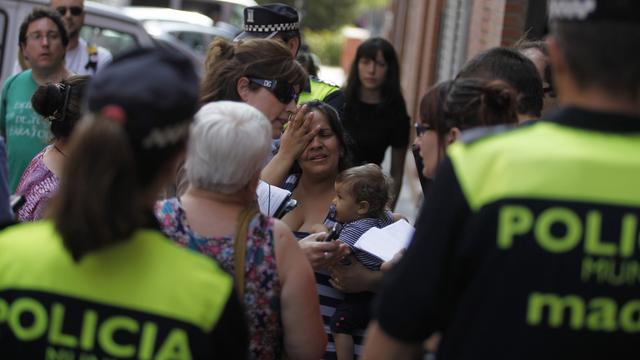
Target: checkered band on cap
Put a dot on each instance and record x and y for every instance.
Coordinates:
(571, 9)
(272, 27)
(594, 10)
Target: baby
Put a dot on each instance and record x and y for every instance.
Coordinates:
(362, 194)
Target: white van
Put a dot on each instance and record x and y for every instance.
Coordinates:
(104, 25)
(227, 11)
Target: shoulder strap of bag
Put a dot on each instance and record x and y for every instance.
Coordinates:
(240, 245)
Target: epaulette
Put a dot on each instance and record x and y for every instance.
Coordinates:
(474, 135)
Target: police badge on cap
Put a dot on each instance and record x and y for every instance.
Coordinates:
(594, 10)
(267, 20)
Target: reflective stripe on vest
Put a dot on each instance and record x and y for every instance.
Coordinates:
(319, 91)
(549, 161)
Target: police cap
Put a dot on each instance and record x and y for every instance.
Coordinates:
(594, 10)
(151, 91)
(267, 20)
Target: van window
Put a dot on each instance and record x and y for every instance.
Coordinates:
(115, 41)
(196, 41)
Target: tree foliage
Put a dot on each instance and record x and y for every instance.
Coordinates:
(329, 14)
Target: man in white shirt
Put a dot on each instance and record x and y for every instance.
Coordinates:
(82, 58)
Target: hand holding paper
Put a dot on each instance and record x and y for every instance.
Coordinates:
(274, 201)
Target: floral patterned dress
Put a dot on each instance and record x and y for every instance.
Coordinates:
(38, 184)
(262, 285)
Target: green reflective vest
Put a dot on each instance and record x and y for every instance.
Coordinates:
(319, 91)
(144, 298)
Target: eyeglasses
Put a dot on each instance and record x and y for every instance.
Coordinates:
(74, 10)
(284, 92)
(422, 128)
(37, 37)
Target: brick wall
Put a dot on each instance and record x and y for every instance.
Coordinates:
(496, 23)
(515, 13)
(434, 38)
(414, 35)
(486, 27)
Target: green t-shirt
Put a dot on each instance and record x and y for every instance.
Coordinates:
(24, 131)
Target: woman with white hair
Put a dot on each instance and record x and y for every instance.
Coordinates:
(217, 215)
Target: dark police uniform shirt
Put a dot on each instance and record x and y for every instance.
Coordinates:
(144, 298)
(528, 246)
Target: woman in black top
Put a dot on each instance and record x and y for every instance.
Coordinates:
(375, 111)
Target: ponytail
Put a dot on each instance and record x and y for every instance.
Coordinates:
(99, 201)
(61, 104)
(498, 104)
(474, 102)
(219, 50)
(218, 84)
(49, 99)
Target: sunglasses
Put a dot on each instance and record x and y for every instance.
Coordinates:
(74, 10)
(284, 92)
(422, 128)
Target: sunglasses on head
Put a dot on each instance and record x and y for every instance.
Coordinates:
(74, 10)
(284, 92)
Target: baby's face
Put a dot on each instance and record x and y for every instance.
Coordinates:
(346, 206)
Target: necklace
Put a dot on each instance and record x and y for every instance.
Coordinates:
(58, 150)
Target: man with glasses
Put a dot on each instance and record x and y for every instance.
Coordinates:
(43, 40)
(82, 58)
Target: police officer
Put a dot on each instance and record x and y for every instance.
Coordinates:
(528, 248)
(98, 280)
(280, 21)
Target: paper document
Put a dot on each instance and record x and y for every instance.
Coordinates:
(274, 201)
(386, 242)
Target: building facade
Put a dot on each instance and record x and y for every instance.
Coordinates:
(434, 38)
